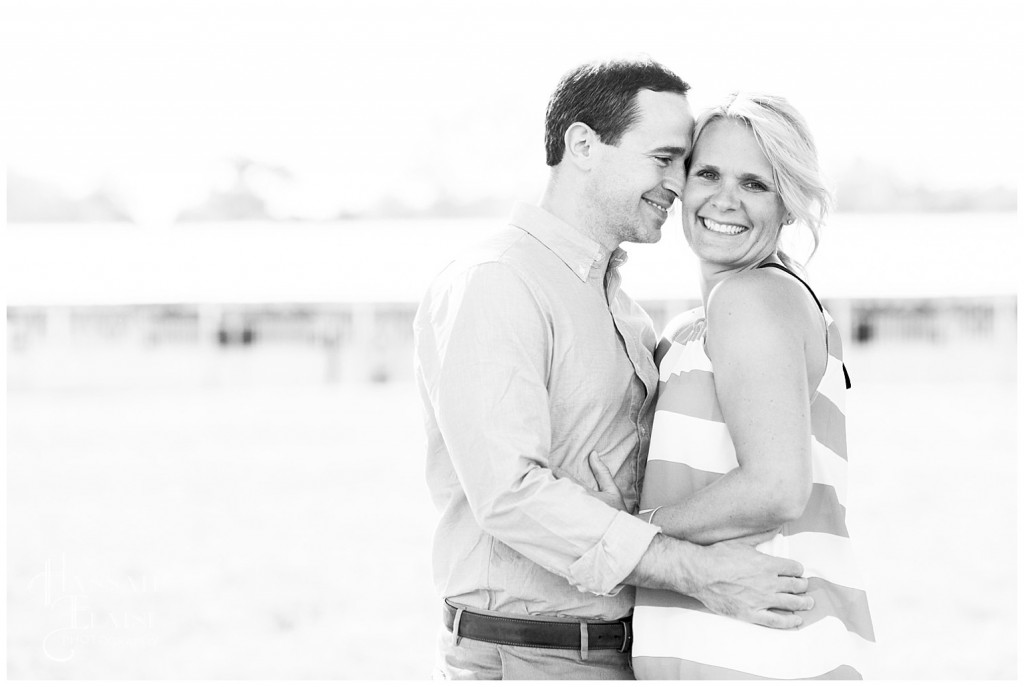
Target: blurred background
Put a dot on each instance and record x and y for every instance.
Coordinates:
(221, 216)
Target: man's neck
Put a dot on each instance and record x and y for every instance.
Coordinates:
(566, 206)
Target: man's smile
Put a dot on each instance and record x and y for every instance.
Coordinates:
(663, 208)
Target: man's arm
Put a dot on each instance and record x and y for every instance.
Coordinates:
(484, 351)
(730, 578)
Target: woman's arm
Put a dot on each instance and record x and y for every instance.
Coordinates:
(766, 341)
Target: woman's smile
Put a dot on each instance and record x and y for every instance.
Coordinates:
(722, 227)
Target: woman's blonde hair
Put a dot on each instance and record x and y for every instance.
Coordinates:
(785, 139)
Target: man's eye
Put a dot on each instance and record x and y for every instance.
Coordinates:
(663, 161)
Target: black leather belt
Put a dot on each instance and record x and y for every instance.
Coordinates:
(607, 634)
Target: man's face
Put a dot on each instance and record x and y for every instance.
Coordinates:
(633, 185)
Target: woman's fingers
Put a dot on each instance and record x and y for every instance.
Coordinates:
(605, 480)
(607, 490)
(610, 493)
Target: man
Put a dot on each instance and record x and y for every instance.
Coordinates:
(529, 359)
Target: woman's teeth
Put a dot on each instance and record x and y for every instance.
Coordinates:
(719, 228)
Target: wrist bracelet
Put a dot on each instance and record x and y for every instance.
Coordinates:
(650, 515)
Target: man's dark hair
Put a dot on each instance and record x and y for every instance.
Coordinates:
(602, 95)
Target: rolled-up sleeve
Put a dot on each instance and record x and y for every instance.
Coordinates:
(486, 366)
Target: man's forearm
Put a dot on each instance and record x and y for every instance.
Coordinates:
(577, 540)
(729, 578)
(667, 564)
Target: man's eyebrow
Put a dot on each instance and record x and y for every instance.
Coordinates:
(671, 150)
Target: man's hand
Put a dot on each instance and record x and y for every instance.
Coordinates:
(607, 489)
(735, 580)
(729, 577)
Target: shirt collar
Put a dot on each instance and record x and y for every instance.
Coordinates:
(580, 253)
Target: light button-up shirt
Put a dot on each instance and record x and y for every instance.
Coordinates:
(528, 357)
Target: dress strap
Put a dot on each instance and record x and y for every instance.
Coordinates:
(791, 273)
(794, 275)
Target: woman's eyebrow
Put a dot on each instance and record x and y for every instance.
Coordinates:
(756, 177)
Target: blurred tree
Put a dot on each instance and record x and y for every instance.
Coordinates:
(34, 200)
(245, 199)
(448, 205)
(260, 191)
(391, 205)
(444, 204)
(864, 186)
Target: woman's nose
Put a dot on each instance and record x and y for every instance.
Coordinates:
(725, 197)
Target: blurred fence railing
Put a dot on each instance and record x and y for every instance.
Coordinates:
(373, 341)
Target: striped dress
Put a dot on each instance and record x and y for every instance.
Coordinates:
(676, 637)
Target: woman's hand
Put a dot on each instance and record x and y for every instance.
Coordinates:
(607, 491)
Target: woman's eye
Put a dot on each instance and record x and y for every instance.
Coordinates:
(756, 186)
(707, 174)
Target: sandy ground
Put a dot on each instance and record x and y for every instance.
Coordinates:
(181, 516)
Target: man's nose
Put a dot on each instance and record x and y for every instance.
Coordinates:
(674, 181)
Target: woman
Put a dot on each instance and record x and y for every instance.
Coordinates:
(749, 433)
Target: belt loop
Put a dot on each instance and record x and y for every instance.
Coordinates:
(455, 625)
(625, 637)
(584, 641)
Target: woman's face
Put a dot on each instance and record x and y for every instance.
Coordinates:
(732, 211)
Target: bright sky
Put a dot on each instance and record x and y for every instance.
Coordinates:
(401, 97)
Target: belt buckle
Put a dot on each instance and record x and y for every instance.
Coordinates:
(626, 637)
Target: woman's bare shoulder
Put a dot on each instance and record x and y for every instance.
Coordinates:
(760, 295)
(766, 315)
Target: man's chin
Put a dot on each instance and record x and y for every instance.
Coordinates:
(649, 236)
(642, 233)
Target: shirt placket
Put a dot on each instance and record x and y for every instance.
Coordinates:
(644, 373)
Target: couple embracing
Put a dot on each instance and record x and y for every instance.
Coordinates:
(614, 504)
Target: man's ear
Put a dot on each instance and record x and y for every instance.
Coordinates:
(581, 145)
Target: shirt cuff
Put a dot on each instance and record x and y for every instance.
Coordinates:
(601, 569)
